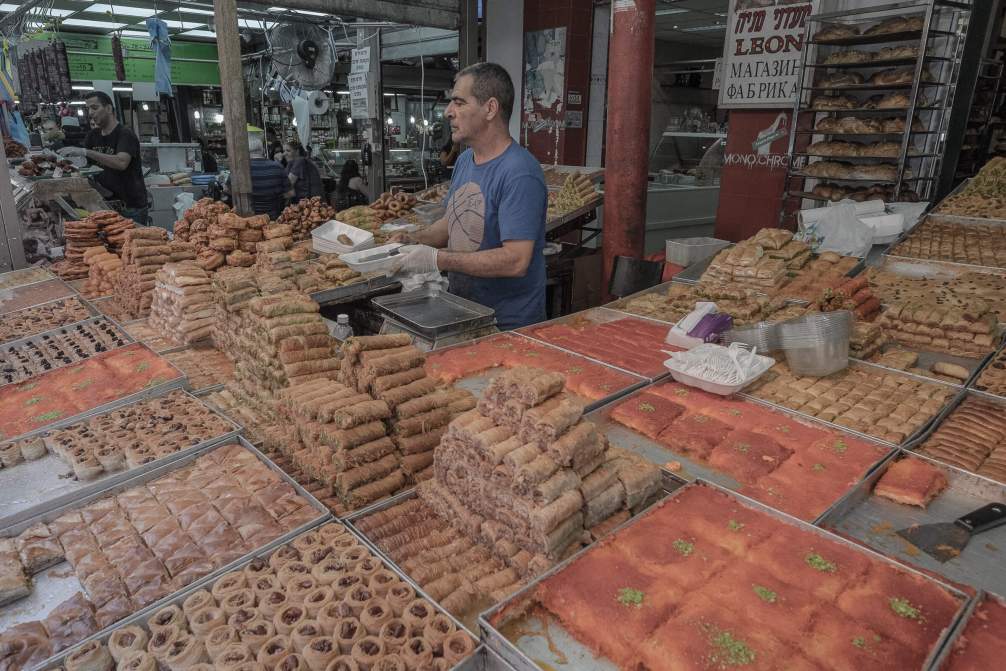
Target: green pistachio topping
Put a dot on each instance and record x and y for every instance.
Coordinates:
(765, 594)
(905, 609)
(630, 597)
(734, 525)
(819, 563)
(646, 407)
(730, 651)
(683, 547)
(859, 642)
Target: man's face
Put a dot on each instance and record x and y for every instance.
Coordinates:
(289, 153)
(49, 126)
(467, 118)
(98, 113)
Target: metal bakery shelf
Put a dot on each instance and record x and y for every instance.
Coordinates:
(32, 488)
(476, 383)
(874, 521)
(669, 483)
(59, 582)
(619, 435)
(547, 645)
(30, 295)
(597, 316)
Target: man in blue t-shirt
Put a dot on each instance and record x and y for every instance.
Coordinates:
(491, 239)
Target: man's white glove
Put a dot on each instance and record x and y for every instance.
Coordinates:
(72, 152)
(416, 260)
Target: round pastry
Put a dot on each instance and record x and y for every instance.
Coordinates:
(316, 599)
(254, 634)
(369, 566)
(161, 640)
(272, 602)
(437, 629)
(393, 663)
(399, 597)
(292, 570)
(228, 583)
(232, 656)
(394, 634)
(264, 584)
(315, 555)
(247, 666)
(417, 653)
(126, 640)
(330, 614)
(357, 597)
(347, 632)
(319, 652)
(343, 542)
(298, 588)
(186, 651)
(306, 541)
(92, 656)
(220, 639)
(329, 570)
(329, 532)
(198, 601)
(238, 599)
(137, 661)
(273, 650)
(840, 79)
(347, 582)
(288, 617)
(303, 633)
(457, 646)
(206, 620)
(111, 458)
(243, 616)
(416, 615)
(257, 567)
(292, 662)
(367, 651)
(343, 663)
(353, 556)
(381, 581)
(376, 613)
(170, 616)
(835, 31)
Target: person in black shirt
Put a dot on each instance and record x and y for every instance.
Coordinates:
(116, 149)
(304, 176)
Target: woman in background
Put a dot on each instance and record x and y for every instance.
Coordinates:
(305, 179)
(350, 191)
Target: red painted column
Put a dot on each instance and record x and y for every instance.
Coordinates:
(627, 140)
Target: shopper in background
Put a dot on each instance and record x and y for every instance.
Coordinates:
(268, 180)
(52, 135)
(491, 240)
(350, 190)
(116, 149)
(449, 153)
(275, 147)
(304, 176)
(209, 158)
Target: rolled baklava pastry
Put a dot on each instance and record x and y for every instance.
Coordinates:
(206, 620)
(198, 601)
(416, 653)
(161, 640)
(220, 639)
(292, 662)
(170, 616)
(399, 596)
(292, 570)
(233, 656)
(357, 598)
(137, 661)
(206, 666)
(298, 589)
(390, 663)
(316, 599)
(243, 616)
(376, 613)
(394, 633)
(329, 570)
(316, 555)
(367, 651)
(247, 666)
(228, 583)
(236, 600)
(319, 652)
(254, 634)
(263, 584)
(283, 556)
(330, 614)
(347, 632)
(272, 602)
(438, 628)
(343, 542)
(273, 650)
(303, 633)
(288, 617)
(369, 566)
(329, 532)
(457, 647)
(257, 567)
(126, 640)
(342, 663)
(416, 615)
(343, 585)
(186, 651)
(92, 656)
(381, 581)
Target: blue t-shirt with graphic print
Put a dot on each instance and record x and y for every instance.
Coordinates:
(502, 199)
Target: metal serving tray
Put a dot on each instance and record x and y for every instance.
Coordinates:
(558, 650)
(619, 435)
(874, 521)
(693, 273)
(961, 218)
(94, 313)
(962, 626)
(352, 292)
(854, 363)
(481, 659)
(23, 276)
(598, 316)
(31, 488)
(30, 295)
(927, 359)
(58, 583)
(669, 483)
(432, 312)
(477, 383)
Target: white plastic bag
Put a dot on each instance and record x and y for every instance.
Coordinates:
(838, 229)
(183, 202)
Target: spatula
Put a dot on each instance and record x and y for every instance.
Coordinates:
(945, 540)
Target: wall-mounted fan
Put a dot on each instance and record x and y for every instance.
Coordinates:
(303, 54)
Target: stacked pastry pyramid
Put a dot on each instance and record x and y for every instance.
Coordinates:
(144, 252)
(102, 267)
(234, 287)
(184, 303)
(525, 473)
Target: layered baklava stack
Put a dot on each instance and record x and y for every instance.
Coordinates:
(183, 308)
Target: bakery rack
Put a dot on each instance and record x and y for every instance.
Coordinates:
(938, 47)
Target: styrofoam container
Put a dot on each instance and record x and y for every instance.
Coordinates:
(325, 238)
(764, 363)
(373, 260)
(886, 227)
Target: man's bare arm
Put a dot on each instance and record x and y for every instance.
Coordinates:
(434, 236)
(510, 260)
(118, 161)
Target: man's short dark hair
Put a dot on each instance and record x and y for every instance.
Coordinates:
(491, 80)
(102, 97)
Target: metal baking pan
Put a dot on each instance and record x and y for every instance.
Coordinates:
(23, 276)
(558, 650)
(158, 344)
(874, 521)
(432, 312)
(927, 359)
(963, 218)
(597, 316)
(31, 488)
(351, 292)
(619, 435)
(669, 483)
(853, 363)
(693, 273)
(481, 659)
(62, 585)
(94, 313)
(477, 383)
(30, 295)
(960, 631)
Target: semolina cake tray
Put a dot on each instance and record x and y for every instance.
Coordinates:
(734, 585)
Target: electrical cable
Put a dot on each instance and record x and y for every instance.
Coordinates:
(422, 112)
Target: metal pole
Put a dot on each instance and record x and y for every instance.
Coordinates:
(375, 102)
(630, 70)
(11, 245)
(232, 85)
(468, 35)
